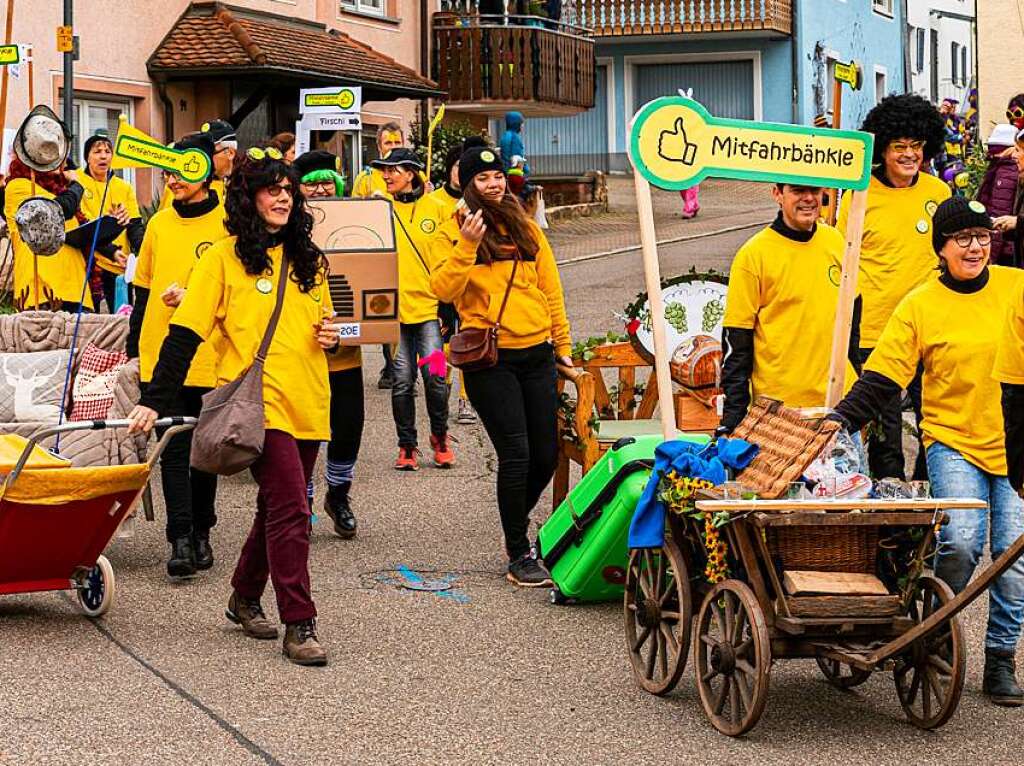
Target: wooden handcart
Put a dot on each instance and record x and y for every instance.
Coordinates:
(740, 625)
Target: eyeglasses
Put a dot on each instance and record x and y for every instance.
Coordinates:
(964, 239)
(258, 154)
(322, 187)
(903, 146)
(1016, 113)
(170, 175)
(275, 190)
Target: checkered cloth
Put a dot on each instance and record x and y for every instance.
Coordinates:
(93, 392)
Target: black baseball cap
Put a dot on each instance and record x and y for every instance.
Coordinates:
(399, 156)
(219, 131)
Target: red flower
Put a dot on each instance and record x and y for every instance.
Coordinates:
(633, 326)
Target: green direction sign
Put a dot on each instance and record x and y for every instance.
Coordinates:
(9, 54)
(675, 143)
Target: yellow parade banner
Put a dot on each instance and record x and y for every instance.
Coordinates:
(675, 143)
(135, 149)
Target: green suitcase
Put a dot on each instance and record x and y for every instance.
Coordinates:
(583, 543)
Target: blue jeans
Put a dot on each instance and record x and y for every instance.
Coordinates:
(417, 342)
(962, 541)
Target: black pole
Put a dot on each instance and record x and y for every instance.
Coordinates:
(69, 72)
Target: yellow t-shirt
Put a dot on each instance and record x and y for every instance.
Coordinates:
(956, 336)
(1009, 364)
(787, 292)
(445, 201)
(368, 181)
(222, 297)
(62, 274)
(119, 193)
(535, 312)
(170, 250)
(415, 225)
(896, 253)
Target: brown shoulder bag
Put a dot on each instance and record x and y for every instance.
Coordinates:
(229, 435)
(476, 348)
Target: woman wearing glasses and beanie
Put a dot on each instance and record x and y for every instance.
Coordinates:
(954, 326)
(232, 293)
(490, 250)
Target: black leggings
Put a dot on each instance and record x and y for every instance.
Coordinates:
(189, 495)
(347, 414)
(518, 404)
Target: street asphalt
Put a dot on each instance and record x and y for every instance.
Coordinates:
(477, 673)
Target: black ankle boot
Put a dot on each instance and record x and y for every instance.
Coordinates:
(1000, 682)
(182, 562)
(338, 507)
(203, 550)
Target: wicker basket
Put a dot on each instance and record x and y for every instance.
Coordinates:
(825, 549)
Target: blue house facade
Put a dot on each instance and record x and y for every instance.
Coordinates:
(766, 60)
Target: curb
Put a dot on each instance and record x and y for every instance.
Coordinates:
(670, 241)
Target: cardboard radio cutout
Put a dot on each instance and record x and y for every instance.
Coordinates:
(358, 236)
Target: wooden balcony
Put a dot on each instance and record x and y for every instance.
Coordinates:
(676, 17)
(493, 64)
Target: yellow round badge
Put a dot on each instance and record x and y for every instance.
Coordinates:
(487, 156)
(427, 226)
(976, 206)
(930, 207)
(922, 226)
(205, 128)
(264, 285)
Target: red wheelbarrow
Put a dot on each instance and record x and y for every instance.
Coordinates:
(56, 520)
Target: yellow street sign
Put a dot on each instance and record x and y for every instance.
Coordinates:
(134, 149)
(851, 74)
(9, 54)
(65, 40)
(343, 99)
(675, 143)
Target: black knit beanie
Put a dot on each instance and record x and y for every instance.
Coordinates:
(475, 161)
(91, 141)
(957, 214)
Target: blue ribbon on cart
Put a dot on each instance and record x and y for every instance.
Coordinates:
(698, 461)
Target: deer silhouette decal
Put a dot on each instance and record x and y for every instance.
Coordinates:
(25, 385)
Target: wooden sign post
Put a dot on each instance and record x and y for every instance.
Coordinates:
(845, 74)
(675, 143)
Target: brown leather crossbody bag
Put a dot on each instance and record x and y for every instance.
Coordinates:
(476, 348)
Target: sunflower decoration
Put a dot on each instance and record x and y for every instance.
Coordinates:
(717, 567)
(679, 494)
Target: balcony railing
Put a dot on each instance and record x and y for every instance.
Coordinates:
(666, 17)
(493, 63)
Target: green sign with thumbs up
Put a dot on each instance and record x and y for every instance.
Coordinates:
(675, 143)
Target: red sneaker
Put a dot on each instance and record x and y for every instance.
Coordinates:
(407, 459)
(443, 455)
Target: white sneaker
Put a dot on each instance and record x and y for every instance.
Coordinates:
(466, 415)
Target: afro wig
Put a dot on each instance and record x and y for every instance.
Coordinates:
(905, 116)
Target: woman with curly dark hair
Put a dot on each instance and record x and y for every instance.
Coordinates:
(230, 297)
(896, 252)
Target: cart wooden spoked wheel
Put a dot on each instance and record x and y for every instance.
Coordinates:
(841, 675)
(929, 675)
(658, 613)
(733, 657)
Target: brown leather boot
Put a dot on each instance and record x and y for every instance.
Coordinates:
(249, 614)
(301, 646)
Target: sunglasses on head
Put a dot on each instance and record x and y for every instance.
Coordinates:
(258, 154)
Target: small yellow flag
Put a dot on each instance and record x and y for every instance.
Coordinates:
(135, 149)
